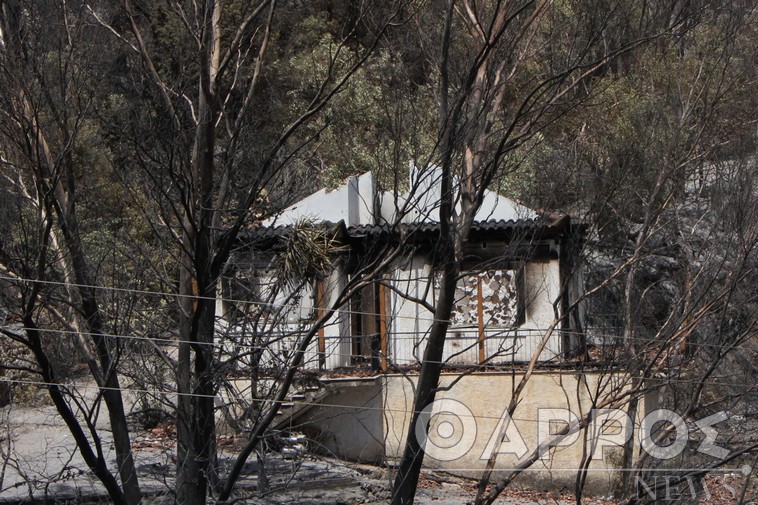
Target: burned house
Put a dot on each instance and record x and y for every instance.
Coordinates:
(358, 319)
(518, 280)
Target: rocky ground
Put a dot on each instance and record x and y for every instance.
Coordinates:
(40, 464)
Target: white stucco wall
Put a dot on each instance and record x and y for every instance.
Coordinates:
(411, 321)
(336, 345)
(543, 284)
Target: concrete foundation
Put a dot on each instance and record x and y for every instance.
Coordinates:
(367, 420)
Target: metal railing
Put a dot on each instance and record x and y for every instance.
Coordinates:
(463, 346)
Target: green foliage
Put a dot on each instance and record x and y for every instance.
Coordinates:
(376, 123)
(678, 105)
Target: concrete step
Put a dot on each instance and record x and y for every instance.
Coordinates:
(297, 403)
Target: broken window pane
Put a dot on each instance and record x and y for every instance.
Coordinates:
(498, 291)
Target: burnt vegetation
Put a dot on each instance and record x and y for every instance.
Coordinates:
(143, 144)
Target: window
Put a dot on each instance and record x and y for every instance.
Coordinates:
(492, 298)
(364, 316)
(259, 296)
(368, 326)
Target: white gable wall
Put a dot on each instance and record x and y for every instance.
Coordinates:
(353, 203)
(498, 207)
(357, 201)
(422, 202)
